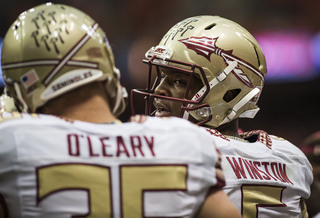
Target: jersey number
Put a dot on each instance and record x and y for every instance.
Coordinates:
(96, 180)
(255, 196)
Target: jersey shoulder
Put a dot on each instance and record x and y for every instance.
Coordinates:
(166, 123)
(284, 146)
(275, 143)
(281, 147)
(175, 131)
(6, 116)
(8, 119)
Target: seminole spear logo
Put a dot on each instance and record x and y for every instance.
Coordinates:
(205, 46)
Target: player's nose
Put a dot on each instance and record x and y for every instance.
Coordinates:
(162, 88)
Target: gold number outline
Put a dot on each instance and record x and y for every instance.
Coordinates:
(265, 195)
(169, 170)
(86, 189)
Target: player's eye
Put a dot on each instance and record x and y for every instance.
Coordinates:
(180, 82)
(162, 76)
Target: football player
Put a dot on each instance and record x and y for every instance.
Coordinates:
(76, 158)
(211, 70)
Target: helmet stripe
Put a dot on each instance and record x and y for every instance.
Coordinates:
(29, 63)
(48, 62)
(70, 54)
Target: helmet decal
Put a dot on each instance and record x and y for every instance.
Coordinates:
(30, 78)
(180, 29)
(205, 47)
(54, 36)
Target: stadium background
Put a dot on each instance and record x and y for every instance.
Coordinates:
(288, 31)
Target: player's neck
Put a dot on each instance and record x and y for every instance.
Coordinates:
(87, 104)
(93, 110)
(230, 129)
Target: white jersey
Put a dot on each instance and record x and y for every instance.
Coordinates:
(50, 167)
(266, 177)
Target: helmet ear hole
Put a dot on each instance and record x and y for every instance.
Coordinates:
(210, 26)
(231, 94)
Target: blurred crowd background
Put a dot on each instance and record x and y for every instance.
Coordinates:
(288, 31)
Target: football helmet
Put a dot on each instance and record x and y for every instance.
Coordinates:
(54, 48)
(224, 55)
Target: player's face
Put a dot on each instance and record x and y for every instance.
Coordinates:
(174, 84)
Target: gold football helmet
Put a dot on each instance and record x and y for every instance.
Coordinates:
(54, 48)
(224, 55)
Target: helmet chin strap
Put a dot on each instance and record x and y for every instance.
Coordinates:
(19, 96)
(121, 92)
(240, 104)
(222, 76)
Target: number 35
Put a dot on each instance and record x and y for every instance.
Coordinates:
(96, 180)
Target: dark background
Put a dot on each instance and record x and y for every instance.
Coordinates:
(289, 108)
